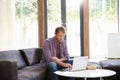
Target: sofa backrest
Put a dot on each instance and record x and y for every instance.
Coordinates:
(13, 55)
(31, 55)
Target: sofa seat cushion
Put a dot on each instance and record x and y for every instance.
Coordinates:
(31, 55)
(31, 73)
(13, 55)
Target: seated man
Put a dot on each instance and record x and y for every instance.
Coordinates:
(55, 54)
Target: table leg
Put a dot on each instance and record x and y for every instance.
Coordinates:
(85, 78)
(100, 78)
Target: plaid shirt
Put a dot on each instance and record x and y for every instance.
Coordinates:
(49, 51)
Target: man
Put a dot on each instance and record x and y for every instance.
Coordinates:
(55, 54)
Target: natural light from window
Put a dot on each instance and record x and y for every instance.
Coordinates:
(103, 20)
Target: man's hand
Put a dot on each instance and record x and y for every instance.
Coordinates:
(67, 65)
(61, 62)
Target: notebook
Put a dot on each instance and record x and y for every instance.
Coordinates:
(79, 63)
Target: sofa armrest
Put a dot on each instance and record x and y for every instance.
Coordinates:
(8, 70)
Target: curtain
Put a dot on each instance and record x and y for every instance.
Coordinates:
(7, 24)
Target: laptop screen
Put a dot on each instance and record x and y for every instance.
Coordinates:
(80, 63)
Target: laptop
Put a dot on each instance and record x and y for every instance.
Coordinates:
(79, 63)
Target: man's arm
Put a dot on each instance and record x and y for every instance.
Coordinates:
(63, 59)
(59, 62)
(46, 51)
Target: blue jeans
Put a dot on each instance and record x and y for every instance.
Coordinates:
(52, 67)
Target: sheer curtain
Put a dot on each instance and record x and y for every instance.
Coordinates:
(7, 25)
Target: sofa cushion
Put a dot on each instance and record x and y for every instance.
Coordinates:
(32, 55)
(110, 63)
(13, 55)
(33, 72)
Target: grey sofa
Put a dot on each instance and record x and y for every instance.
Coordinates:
(24, 64)
(21, 64)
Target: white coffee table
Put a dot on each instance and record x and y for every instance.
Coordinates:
(97, 73)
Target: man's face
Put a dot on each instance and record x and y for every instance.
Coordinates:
(59, 36)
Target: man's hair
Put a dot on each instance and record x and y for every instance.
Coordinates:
(61, 28)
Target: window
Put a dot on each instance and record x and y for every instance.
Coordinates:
(65, 12)
(27, 23)
(73, 27)
(53, 16)
(103, 19)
